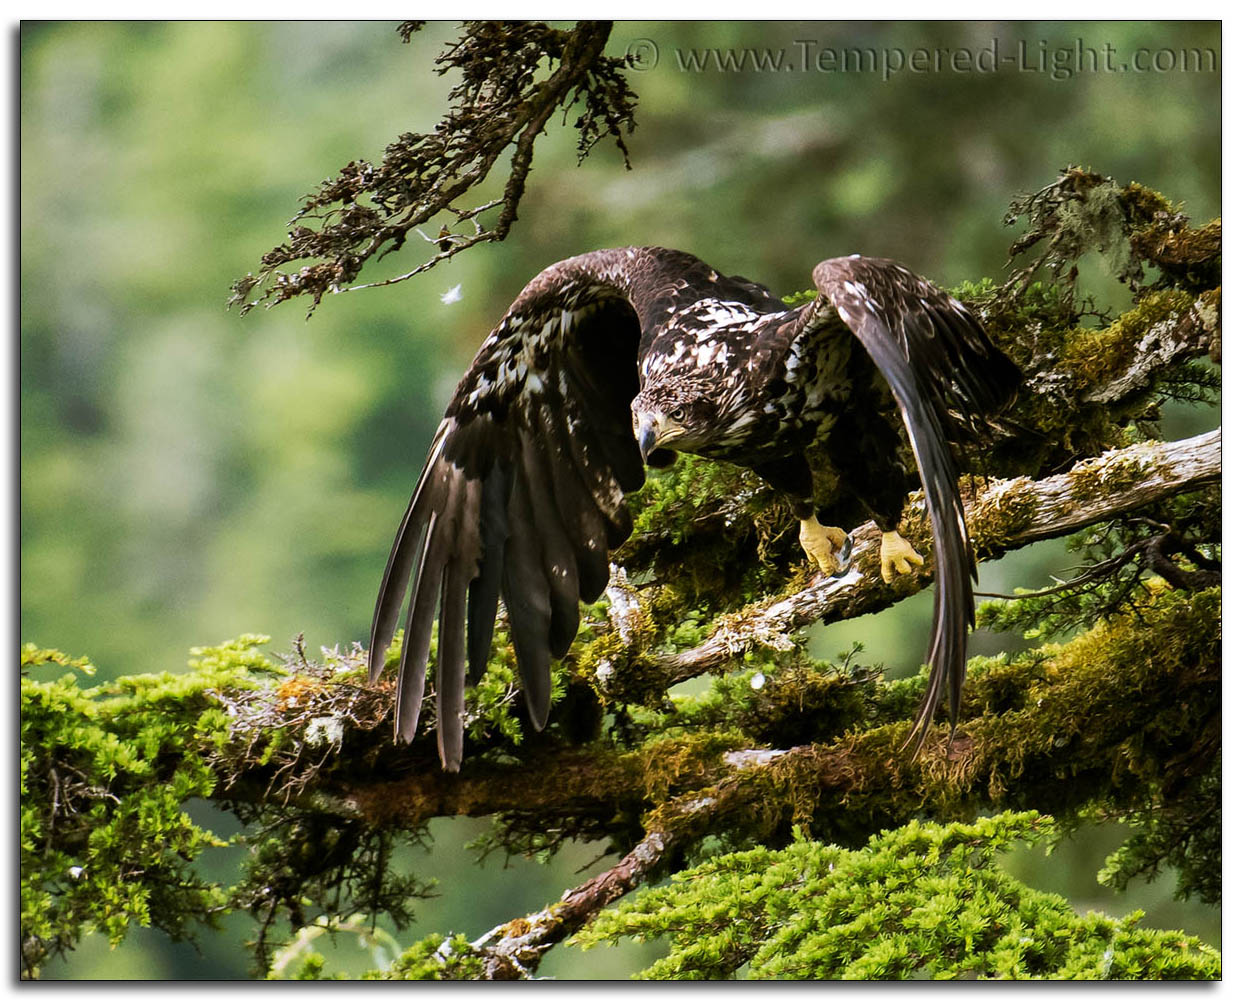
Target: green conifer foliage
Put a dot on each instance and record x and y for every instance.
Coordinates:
(923, 901)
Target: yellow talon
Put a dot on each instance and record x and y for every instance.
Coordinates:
(822, 543)
(897, 556)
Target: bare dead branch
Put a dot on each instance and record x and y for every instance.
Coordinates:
(513, 950)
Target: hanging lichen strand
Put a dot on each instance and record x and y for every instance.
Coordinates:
(515, 77)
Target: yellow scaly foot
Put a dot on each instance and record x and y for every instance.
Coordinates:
(827, 546)
(897, 556)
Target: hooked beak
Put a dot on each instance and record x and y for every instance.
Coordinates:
(647, 435)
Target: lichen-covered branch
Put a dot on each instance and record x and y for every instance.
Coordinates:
(1001, 517)
(1129, 224)
(1117, 481)
(596, 780)
(398, 787)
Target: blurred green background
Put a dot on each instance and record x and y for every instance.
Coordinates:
(188, 475)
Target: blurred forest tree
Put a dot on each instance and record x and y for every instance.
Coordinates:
(186, 476)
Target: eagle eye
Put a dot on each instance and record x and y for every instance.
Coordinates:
(677, 413)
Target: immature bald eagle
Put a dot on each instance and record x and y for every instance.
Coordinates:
(611, 359)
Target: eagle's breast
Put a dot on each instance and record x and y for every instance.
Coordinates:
(817, 382)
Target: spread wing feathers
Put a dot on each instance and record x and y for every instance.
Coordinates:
(521, 498)
(941, 367)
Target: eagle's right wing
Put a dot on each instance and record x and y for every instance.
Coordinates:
(942, 369)
(521, 496)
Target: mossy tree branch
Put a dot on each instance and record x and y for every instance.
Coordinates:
(591, 780)
(1059, 727)
(1024, 736)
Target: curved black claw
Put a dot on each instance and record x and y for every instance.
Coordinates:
(843, 556)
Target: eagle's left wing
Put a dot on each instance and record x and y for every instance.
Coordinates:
(942, 368)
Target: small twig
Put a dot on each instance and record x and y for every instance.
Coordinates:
(1096, 571)
(51, 817)
(485, 236)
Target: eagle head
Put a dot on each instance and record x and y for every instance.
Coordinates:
(681, 413)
